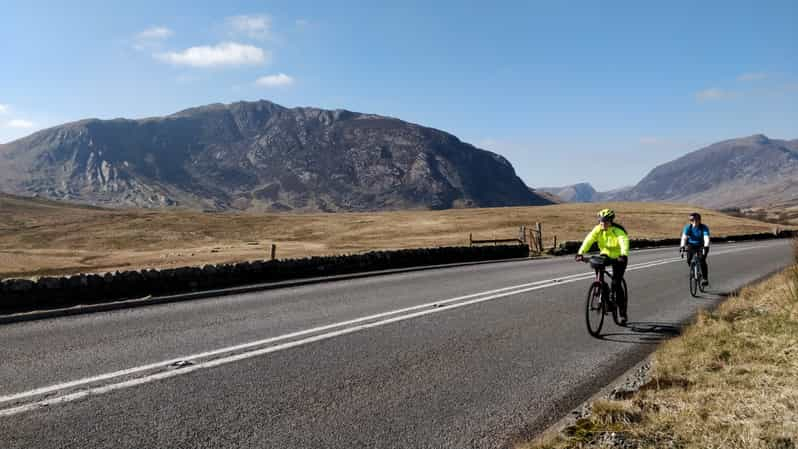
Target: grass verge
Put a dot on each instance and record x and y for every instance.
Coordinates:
(730, 381)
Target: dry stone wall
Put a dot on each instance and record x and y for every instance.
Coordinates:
(18, 295)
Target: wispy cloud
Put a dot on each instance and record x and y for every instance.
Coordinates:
(278, 80)
(301, 23)
(151, 38)
(752, 76)
(155, 33)
(648, 140)
(230, 54)
(713, 94)
(254, 26)
(18, 123)
(4, 108)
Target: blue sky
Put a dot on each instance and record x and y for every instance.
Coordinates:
(568, 91)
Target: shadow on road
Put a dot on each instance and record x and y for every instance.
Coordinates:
(645, 332)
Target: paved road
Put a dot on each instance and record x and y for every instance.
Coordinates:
(458, 357)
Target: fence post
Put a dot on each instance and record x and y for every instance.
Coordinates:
(555, 242)
(274, 251)
(470, 239)
(539, 231)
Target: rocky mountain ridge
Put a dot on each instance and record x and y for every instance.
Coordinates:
(260, 156)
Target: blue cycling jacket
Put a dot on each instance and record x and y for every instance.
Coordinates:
(695, 234)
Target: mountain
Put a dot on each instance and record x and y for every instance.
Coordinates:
(753, 171)
(613, 195)
(744, 172)
(577, 193)
(554, 199)
(260, 156)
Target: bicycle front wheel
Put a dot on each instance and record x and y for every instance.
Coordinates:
(693, 281)
(594, 310)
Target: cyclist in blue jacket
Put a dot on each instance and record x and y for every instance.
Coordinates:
(695, 239)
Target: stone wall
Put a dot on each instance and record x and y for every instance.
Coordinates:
(17, 295)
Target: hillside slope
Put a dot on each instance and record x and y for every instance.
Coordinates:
(46, 237)
(745, 172)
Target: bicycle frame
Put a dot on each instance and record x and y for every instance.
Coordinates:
(696, 271)
(599, 279)
(601, 299)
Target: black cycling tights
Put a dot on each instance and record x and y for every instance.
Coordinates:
(618, 269)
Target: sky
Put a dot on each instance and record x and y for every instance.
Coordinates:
(568, 91)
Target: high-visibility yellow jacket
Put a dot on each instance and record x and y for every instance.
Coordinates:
(613, 242)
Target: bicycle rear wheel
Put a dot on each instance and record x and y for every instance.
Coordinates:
(594, 310)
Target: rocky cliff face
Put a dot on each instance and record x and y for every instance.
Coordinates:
(260, 156)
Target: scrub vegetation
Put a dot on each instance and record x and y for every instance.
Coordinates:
(39, 237)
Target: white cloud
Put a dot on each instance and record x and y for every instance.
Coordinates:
(151, 38)
(155, 33)
(301, 23)
(4, 108)
(650, 141)
(752, 76)
(223, 54)
(713, 94)
(18, 123)
(254, 26)
(278, 80)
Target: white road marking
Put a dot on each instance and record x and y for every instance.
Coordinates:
(463, 301)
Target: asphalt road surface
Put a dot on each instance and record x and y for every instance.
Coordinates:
(458, 357)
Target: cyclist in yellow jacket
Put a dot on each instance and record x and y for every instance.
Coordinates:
(613, 242)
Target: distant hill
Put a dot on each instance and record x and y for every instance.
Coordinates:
(745, 172)
(753, 171)
(260, 156)
(577, 193)
(548, 195)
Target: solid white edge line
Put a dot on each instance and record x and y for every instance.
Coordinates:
(230, 359)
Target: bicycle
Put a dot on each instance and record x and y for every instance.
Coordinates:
(696, 274)
(601, 299)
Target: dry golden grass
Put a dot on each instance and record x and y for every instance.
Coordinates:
(786, 214)
(730, 381)
(43, 238)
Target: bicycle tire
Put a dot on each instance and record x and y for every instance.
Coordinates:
(693, 280)
(594, 309)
